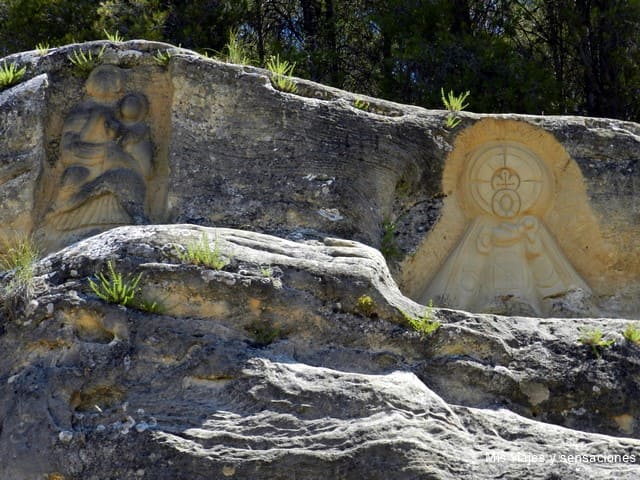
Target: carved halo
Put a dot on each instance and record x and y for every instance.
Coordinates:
(506, 180)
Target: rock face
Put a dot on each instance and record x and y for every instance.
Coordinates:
(274, 367)
(543, 212)
(255, 337)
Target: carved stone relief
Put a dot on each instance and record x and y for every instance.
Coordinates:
(106, 161)
(506, 250)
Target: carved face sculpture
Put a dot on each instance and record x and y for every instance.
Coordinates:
(506, 252)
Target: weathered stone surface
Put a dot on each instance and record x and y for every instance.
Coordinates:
(295, 360)
(106, 162)
(22, 153)
(516, 230)
(275, 373)
(230, 150)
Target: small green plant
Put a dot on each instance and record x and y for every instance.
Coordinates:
(85, 62)
(147, 305)
(113, 37)
(42, 48)
(426, 324)
(236, 51)
(388, 245)
(114, 287)
(366, 306)
(281, 70)
(455, 104)
(594, 338)
(266, 271)
(201, 253)
(19, 257)
(361, 104)
(632, 333)
(162, 57)
(10, 74)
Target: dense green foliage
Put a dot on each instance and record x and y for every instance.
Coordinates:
(529, 56)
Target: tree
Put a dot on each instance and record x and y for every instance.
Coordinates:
(203, 25)
(594, 49)
(25, 23)
(523, 56)
(132, 19)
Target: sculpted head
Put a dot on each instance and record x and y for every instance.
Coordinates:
(105, 82)
(133, 107)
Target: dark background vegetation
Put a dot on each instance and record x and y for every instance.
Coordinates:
(526, 56)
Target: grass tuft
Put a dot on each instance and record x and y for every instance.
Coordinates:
(114, 287)
(19, 259)
(10, 74)
(42, 48)
(388, 245)
(150, 306)
(455, 104)
(266, 271)
(361, 104)
(632, 333)
(85, 62)
(281, 71)
(162, 57)
(113, 37)
(201, 253)
(263, 332)
(236, 51)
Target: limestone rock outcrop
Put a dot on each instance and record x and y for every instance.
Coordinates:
(269, 368)
(271, 253)
(542, 211)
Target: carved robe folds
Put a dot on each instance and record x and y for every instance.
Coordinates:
(106, 157)
(506, 252)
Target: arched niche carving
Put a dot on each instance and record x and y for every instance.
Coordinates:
(107, 167)
(515, 229)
